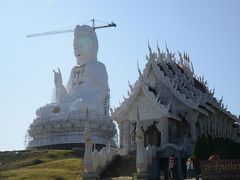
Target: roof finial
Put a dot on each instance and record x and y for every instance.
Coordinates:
(192, 69)
(166, 47)
(159, 51)
(138, 118)
(149, 48)
(139, 71)
(150, 52)
(124, 98)
(181, 58)
(86, 122)
(130, 86)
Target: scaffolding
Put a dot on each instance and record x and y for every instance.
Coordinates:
(69, 129)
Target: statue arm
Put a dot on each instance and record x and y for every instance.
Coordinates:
(61, 93)
(57, 78)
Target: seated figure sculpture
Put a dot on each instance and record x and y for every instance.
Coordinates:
(88, 83)
(62, 122)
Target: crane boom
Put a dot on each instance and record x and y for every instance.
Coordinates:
(109, 25)
(50, 33)
(112, 24)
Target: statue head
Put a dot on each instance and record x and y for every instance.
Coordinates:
(85, 44)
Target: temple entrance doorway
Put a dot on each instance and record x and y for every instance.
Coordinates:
(164, 153)
(163, 168)
(152, 136)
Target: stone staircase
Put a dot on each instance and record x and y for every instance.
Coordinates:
(122, 167)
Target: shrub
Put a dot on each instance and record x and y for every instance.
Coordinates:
(59, 178)
(224, 148)
(37, 161)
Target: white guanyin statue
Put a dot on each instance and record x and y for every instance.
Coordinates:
(63, 121)
(88, 83)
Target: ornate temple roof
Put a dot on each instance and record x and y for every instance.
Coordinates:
(177, 75)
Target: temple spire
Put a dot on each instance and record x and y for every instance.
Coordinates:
(149, 48)
(87, 129)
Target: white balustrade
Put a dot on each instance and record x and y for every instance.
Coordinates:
(101, 159)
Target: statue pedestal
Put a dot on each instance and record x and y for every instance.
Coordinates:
(90, 176)
(142, 176)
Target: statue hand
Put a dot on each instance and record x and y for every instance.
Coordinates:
(57, 78)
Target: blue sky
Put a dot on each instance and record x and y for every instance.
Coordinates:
(207, 30)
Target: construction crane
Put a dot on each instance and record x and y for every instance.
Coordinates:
(112, 24)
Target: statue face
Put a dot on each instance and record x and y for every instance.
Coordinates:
(85, 44)
(82, 46)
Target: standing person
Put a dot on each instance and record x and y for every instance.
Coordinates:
(172, 166)
(189, 165)
(196, 167)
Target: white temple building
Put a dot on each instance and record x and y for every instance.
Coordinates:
(61, 124)
(175, 107)
(166, 110)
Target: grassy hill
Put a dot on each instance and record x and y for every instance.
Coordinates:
(41, 164)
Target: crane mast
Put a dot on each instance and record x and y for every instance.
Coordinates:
(112, 24)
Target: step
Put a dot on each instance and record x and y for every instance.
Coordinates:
(122, 168)
(123, 178)
(118, 178)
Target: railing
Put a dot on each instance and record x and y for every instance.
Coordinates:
(101, 159)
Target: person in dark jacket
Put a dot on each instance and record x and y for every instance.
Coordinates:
(172, 166)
